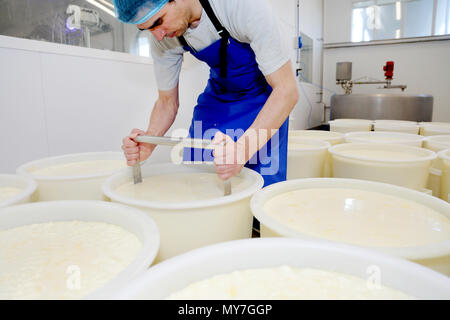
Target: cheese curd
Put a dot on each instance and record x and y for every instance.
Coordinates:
(285, 282)
(62, 260)
(180, 187)
(358, 217)
(80, 168)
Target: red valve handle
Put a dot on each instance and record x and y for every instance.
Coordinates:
(389, 70)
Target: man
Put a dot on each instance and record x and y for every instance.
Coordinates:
(251, 89)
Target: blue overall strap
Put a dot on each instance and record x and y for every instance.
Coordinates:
(223, 33)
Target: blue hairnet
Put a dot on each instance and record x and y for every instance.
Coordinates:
(137, 11)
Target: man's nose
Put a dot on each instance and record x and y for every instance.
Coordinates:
(159, 33)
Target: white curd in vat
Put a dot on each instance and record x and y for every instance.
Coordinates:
(43, 261)
(180, 187)
(285, 282)
(359, 217)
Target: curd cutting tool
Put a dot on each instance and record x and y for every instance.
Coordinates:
(171, 141)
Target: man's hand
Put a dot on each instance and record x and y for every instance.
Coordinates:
(229, 156)
(135, 151)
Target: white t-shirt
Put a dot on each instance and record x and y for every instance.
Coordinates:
(248, 21)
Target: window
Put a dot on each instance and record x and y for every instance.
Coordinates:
(85, 23)
(394, 19)
(442, 25)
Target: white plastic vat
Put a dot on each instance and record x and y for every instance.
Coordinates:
(175, 274)
(434, 182)
(434, 128)
(396, 126)
(306, 158)
(332, 137)
(437, 143)
(435, 255)
(130, 219)
(444, 155)
(396, 164)
(187, 225)
(329, 136)
(26, 184)
(70, 187)
(406, 139)
(350, 125)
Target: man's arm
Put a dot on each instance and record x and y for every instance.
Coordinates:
(162, 117)
(231, 158)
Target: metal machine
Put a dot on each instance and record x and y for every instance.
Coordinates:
(396, 106)
(87, 20)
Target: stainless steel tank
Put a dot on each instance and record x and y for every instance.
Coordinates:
(382, 106)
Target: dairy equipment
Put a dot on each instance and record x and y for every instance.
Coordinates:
(384, 162)
(344, 76)
(129, 219)
(85, 19)
(60, 179)
(434, 256)
(395, 106)
(191, 224)
(25, 187)
(175, 274)
(174, 142)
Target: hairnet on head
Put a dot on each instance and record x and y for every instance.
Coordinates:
(137, 11)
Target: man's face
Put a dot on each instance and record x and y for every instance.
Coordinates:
(171, 21)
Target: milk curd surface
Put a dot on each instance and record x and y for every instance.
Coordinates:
(358, 217)
(80, 168)
(285, 282)
(7, 193)
(181, 187)
(62, 260)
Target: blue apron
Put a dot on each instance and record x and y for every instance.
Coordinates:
(235, 94)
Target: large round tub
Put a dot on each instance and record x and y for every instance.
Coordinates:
(367, 214)
(375, 270)
(187, 225)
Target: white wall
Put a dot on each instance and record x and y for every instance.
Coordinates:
(309, 111)
(423, 66)
(56, 99)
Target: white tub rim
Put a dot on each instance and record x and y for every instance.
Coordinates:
(334, 151)
(316, 144)
(438, 144)
(411, 252)
(440, 127)
(196, 256)
(396, 123)
(30, 188)
(234, 197)
(150, 244)
(443, 154)
(408, 137)
(347, 122)
(326, 134)
(435, 171)
(23, 169)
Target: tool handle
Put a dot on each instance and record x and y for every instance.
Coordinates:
(169, 141)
